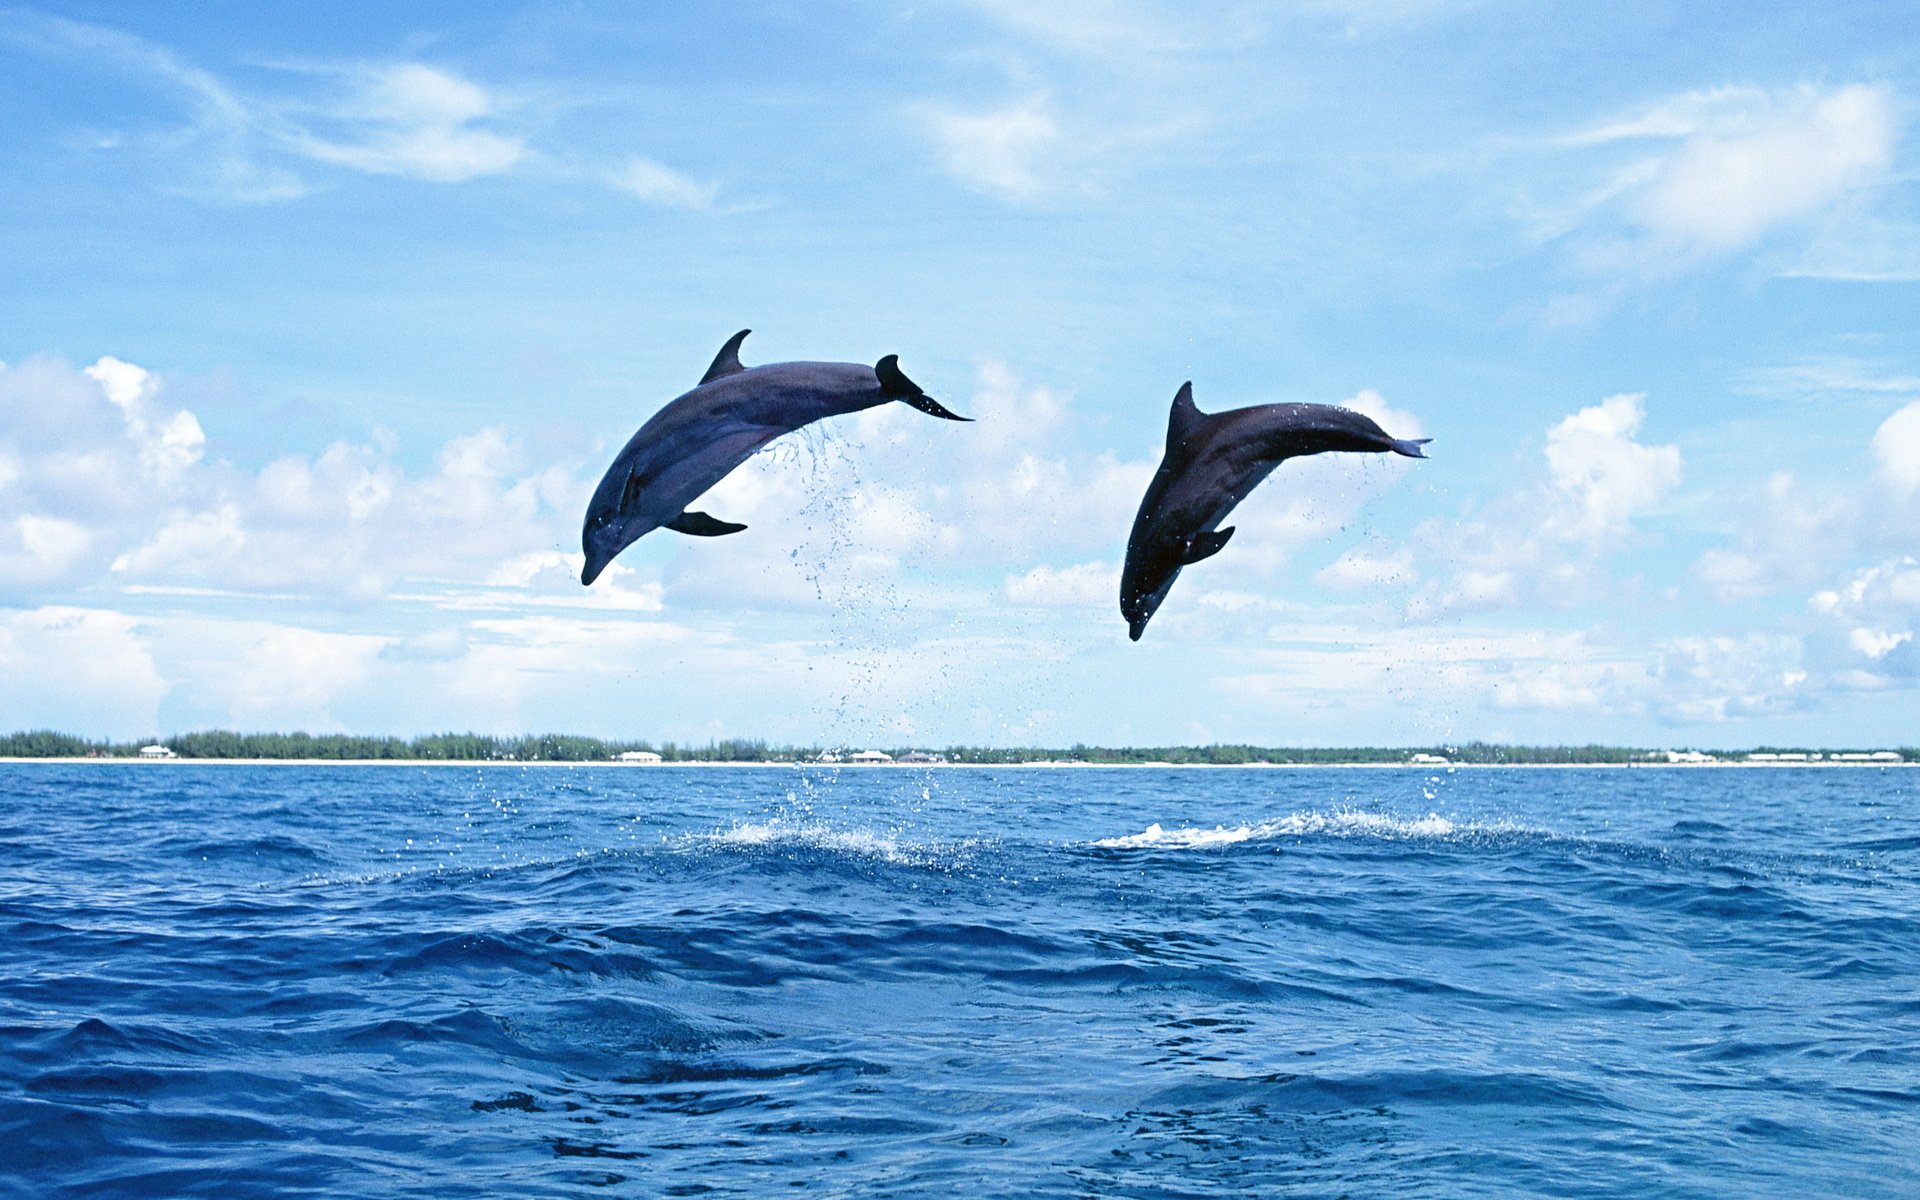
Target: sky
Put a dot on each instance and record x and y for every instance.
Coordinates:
(321, 323)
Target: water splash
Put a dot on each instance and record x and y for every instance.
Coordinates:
(1340, 823)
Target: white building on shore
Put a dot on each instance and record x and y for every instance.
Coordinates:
(157, 751)
(645, 757)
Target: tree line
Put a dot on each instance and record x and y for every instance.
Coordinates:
(566, 747)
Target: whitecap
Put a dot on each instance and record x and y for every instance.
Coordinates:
(858, 843)
(1340, 823)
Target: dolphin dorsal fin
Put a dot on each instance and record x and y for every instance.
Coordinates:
(727, 362)
(1186, 415)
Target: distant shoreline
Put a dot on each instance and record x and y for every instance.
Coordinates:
(895, 766)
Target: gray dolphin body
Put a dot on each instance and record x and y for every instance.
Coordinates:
(697, 439)
(1213, 461)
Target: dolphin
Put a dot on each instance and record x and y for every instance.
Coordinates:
(1213, 460)
(700, 437)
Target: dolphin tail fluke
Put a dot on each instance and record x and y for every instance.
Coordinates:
(1410, 446)
(895, 385)
(699, 524)
(727, 362)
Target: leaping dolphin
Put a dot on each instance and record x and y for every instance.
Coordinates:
(697, 439)
(1213, 461)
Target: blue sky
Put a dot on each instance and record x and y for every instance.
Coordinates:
(320, 325)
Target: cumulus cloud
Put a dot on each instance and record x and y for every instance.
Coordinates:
(36, 550)
(77, 669)
(169, 444)
(1896, 449)
(1717, 678)
(1790, 534)
(263, 675)
(1544, 538)
(108, 485)
(1601, 476)
(1864, 640)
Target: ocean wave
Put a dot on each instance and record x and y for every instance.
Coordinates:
(1339, 823)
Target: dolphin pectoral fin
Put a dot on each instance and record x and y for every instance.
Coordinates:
(699, 524)
(631, 492)
(1206, 545)
(727, 362)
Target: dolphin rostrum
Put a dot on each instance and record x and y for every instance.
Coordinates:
(698, 438)
(1213, 461)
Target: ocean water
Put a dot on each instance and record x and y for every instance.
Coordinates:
(510, 981)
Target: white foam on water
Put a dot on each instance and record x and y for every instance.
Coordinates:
(859, 843)
(1340, 823)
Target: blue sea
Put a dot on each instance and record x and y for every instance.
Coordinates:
(545, 981)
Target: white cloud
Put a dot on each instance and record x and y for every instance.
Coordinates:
(1005, 152)
(1820, 376)
(411, 120)
(1088, 585)
(1711, 679)
(35, 549)
(1366, 570)
(1864, 637)
(261, 675)
(1602, 476)
(77, 669)
(167, 445)
(1726, 189)
(1544, 540)
(111, 488)
(1789, 534)
(1103, 27)
(189, 544)
(1861, 248)
(123, 383)
(1896, 448)
(1705, 174)
(657, 183)
(407, 119)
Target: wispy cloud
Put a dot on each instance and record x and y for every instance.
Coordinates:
(1704, 175)
(1009, 152)
(657, 183)
(407, 119)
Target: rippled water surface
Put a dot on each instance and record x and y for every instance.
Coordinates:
(396, 981)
